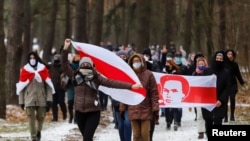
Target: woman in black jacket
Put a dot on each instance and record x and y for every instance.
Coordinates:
(223, 88)
(235, 75)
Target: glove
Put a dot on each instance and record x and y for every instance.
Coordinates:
(49, 103)
(122, 115)
(156, 117)
(22, 106)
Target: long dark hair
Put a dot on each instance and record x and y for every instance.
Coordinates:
(38, 59)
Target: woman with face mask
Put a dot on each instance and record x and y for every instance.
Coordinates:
(201, 65)
(223, 87)
(86, 99)
(141, 115)
(35, 90)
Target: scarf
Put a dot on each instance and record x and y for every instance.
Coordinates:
(28, 73)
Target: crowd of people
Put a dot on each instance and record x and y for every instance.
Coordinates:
(43, 86)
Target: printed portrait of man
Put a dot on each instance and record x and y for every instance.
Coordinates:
(174, 88)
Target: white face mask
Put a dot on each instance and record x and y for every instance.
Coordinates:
(33, 62)
(137, 65)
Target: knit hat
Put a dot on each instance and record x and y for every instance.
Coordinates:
(86, 60)
(122, 52)
(146, 51)
(58, 56)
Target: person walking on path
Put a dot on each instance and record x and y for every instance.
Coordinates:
(86, 81)
(35, 90)
(140, 115)
(56, 72)
(69, 86)
(201, 65)
(235, 75)
(223, 88)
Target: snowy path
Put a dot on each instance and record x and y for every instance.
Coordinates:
(63, 131)
(187, 132)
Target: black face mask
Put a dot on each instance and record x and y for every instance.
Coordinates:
(86, 67)
(218, 65)
(57, 62)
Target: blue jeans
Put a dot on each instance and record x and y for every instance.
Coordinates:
(124, 127)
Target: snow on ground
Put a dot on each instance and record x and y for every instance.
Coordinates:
(63, 131)
(58, 131)
(187, 132)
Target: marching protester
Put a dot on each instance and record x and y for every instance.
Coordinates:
(183, 69)
(201, 65)
(69, 86)
(235, 75)
(86, 81)
(123, 123)
(223, 88)
(56, 73)
(171, 114)
(140, 115)
(35, 90)
(154, 66)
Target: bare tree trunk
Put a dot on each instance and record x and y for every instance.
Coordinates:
(210, 46)
(80, 31)
(142, 24)
(2, 66)
(188, 26)
(27, 32)
(68, 31)
(95, 32)
(14, 49)
(197, 24)
(50, 30)
(170, 21)
(222, 24)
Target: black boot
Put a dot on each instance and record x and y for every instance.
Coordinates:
(38, 135)
(64, 116)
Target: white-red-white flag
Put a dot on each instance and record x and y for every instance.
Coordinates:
(174, 90)
(186, 91)
(28, 73)
(113, 67)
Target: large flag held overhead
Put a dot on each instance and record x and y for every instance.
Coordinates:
(113, 67)
(174, 90)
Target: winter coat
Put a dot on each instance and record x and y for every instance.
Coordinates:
(35, 94)
(86, 98)
(235, 74)
(223, 83)
(56, 73)
(144, 110)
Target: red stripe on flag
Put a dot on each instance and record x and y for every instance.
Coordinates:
(111, 72)
(201, 95)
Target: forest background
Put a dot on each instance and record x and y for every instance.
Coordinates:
(197, 25)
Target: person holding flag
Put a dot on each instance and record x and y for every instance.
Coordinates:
(87, 81)
(140, 115)
(223, 88)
